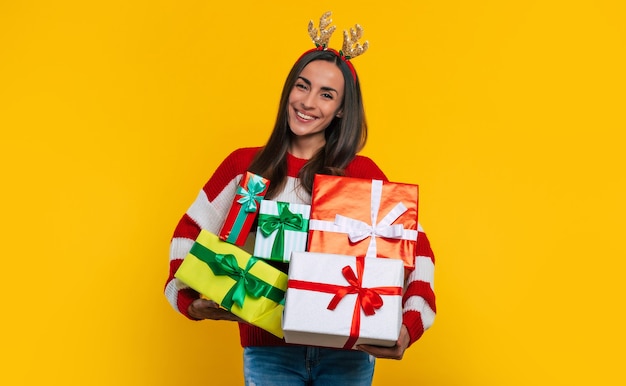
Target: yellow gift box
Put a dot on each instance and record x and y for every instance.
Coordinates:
(246, 286)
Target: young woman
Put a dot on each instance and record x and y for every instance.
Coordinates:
(320, 127)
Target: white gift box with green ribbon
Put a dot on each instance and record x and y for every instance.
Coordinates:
(282, 228)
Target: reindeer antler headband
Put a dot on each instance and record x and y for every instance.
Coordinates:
(351, 47)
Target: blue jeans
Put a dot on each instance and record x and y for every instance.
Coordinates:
(303, 365)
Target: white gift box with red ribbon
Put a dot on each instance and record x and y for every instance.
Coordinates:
(343, 301)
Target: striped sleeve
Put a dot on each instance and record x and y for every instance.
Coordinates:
(418, 301)
(208, 211)
(202, 214)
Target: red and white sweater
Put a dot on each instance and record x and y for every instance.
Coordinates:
(209, 211)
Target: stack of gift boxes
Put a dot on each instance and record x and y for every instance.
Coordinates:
(347, 254)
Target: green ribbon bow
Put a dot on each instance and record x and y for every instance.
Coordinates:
(286, 220)
(251, 195)
(245, 282)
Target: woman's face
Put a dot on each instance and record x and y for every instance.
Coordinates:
(315, 99)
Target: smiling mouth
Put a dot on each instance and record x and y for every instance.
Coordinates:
(304, 116)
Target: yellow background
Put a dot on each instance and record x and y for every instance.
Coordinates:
(508, 114)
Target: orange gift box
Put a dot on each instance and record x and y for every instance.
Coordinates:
(364, 217)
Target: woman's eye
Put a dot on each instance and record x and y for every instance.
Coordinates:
(301, 86)
(327, 96)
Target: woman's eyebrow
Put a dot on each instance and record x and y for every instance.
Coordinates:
(305, 80)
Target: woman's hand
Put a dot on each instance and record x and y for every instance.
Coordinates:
(208, 309)
(394, 352)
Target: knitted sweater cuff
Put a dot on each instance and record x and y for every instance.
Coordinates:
(185, 298)
(413, 322)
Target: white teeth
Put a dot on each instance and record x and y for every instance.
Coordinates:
(304, 116)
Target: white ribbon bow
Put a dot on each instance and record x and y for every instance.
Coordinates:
(359, 230)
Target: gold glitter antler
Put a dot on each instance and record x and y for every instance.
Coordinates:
(324, 33)
(351, 47)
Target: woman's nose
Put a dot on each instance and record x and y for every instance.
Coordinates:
(308, 102)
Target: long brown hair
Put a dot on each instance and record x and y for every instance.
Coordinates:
(345, 136)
